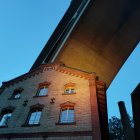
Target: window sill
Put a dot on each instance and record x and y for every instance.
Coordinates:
(4, 126)
(72, 123)
(68, 93)
(30, 125)
(36, 96)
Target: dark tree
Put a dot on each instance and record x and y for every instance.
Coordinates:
(131, 122)
(116, 129)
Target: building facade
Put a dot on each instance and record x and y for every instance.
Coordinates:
(53, 102)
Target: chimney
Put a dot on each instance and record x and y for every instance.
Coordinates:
(128, 130)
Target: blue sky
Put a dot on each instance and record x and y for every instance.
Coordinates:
(124, 83)
(25, 27)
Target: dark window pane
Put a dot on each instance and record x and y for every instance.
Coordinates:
(17, 95)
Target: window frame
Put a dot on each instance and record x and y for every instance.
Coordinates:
(5, 111)
(66, 106)
(44, 85)
(15, 92)
(39, 91)
(69, 89)
(30, 115)
(67, 109)
(35, 108)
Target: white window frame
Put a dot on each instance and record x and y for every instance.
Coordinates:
(42, 89)
(67, 115)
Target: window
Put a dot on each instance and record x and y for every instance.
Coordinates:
(5, 119)
(17, 93)
(5, 116)
(69, 88)
(34, 115)
(67, 113)
(43, 89)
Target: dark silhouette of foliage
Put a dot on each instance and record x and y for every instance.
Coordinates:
(131, 122)
(116, 128)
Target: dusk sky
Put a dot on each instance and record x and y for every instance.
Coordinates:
(25, 27)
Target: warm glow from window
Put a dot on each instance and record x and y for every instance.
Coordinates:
(69, 88)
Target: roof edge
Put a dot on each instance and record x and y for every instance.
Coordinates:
(60, 67)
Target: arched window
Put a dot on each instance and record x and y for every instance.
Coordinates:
(43, 89)
(69, 88)
(5, 116)
(67, 113)
(34, 115)
(17, 93)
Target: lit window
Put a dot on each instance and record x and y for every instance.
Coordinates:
(69, 88)
(67, 113)
(5, 116)
(43, 91)
(17, 93)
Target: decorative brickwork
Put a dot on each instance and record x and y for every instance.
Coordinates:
(86, 124)
(55, 66)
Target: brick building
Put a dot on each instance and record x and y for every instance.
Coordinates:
(53, 102)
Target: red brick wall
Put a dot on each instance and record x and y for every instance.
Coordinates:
(50, 115)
